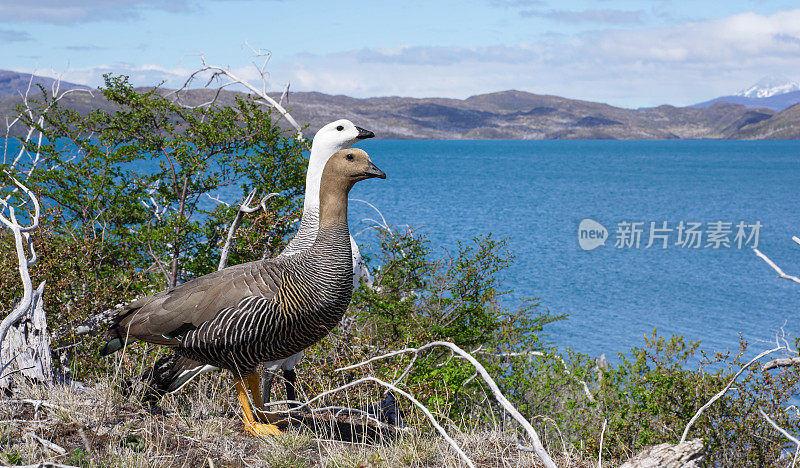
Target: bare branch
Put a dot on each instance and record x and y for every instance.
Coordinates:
(46, 443)
(23, 243)
(220, 73)
(11, 222)
(786, 434)
(21, 348)
(338, 410)
(389, 386)
(45, 464)
(537, 444)
(724, 390)
(216, 199)
(775, 267)
(32, 132)
(782, 362)
(530, 354)
(382, 223)
(600, 452)
(284, 94)
(237, 220)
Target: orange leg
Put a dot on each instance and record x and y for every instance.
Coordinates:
(250, 424)
(254, 382)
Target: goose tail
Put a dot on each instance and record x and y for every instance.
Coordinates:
(169, 374)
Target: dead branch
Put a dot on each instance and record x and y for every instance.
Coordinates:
(785, 434)
(45, 465)
(226, 78)
(389, 386)
(338, 410)
(43, 403)
(29, 345)
(537, 444)
(243, 209)
(775, 267)
(724, 390)
(600, 452)
(46, 443)
(217, 199)
(382, 223)
(688, 454)
(532, 354)
(781, 362)
(31, 133)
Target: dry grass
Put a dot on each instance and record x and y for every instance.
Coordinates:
(98, 426)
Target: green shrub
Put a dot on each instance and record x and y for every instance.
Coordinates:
(101, 242)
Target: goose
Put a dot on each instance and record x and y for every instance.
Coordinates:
(261, 311)
(171, 373)
(335, 136)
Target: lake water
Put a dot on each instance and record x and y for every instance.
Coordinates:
(535, 193)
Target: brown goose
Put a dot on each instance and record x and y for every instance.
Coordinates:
(171, 372)
(259, 311)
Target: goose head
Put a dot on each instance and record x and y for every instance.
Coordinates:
(335, 136)
(338, 135)
(348, 166)
(342, 171)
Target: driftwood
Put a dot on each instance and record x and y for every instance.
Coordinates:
(27, 344)
(24, 342)
(687, 454)
(782, 362)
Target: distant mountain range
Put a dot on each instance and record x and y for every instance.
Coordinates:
(770, 86)
(771, 92)
(13, 83)
(501, 115)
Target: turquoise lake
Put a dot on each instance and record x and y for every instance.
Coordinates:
(535, 193)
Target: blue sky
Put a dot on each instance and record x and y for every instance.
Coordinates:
(627, 53)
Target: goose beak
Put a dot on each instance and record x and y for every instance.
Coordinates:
(364, 134)
(373, 171)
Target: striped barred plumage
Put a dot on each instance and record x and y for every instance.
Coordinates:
(304, 239)
(283, 306)
(312, 297)
(306, 233)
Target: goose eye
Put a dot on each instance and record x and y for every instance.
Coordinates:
(340, 128)
(349, 157)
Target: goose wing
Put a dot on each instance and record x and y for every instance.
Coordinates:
(162, 318)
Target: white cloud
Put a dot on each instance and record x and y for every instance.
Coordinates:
(679, 64)
(744, 36)
(140, 75)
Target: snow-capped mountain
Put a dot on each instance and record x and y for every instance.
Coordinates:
(770, 86)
